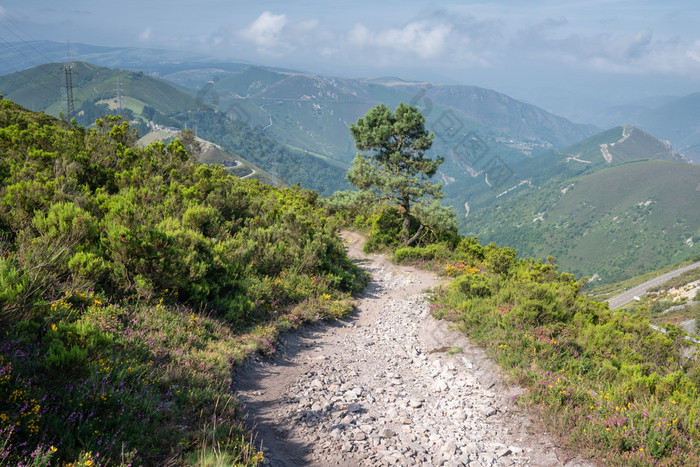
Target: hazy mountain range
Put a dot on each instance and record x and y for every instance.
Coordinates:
(600, 201)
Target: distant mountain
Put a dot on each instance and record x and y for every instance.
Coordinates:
(677, 121)
(672, 118)
(613, 205)
(314, 112)
(311, 113)
(502, 112)
(18, 56)
(628, 113)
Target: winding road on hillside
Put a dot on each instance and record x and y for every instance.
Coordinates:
(389, 385)
(619, 300)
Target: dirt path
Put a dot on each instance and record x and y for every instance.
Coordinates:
(384, 387)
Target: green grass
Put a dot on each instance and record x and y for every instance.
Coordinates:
(130, 103)
(153, 378)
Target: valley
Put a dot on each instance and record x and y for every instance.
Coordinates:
(291, 127)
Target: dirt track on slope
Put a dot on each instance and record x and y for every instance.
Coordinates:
(387, 386)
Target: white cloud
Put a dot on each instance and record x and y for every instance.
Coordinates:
(626, 52)
(266, 31)
(145, 35)
(416, 38)
(439, 36)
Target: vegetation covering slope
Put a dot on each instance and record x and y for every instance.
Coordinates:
(96, 91)
(615, 223)
(313, 112)
(130, 281)
(606, 382)
(582, 205)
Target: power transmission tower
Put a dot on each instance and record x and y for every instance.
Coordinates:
(68, 72)
(70, 106)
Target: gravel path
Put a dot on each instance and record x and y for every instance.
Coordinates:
(385, 387)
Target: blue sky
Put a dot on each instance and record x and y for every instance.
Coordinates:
(554, 53)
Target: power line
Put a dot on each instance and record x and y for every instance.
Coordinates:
(27, 77)
(4, 21)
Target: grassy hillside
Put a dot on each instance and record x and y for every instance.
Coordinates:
(556, 167)
(615, 223)
(131, 280)
(43, 88)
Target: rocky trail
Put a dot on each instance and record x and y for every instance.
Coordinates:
(387, 386)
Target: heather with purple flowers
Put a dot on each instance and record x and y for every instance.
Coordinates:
(605, 382)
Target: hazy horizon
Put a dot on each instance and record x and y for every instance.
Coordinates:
(569, 58)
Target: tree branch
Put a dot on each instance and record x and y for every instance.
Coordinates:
(415, 237)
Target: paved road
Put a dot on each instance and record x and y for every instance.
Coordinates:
(618, 300)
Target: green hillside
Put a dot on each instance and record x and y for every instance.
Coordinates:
(622, 143)
(619, 144)
(147, 99)
(43, 88)
(616, 223)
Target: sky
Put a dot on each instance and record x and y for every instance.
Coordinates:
(565, 56)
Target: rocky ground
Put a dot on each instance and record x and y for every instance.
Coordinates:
(388, 386)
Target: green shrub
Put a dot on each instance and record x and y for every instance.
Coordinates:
(71, 360)
(472, 285)
(434, 251)
(12, 284)
(385, 231)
